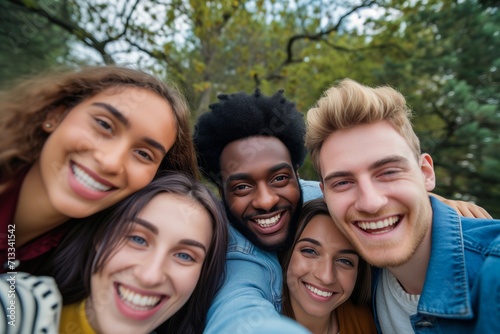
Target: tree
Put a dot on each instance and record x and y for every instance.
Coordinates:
(28, 43)
(452, 84)
(209, 46)
(442, 54)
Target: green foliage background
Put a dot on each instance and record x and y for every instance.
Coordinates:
(442, 55)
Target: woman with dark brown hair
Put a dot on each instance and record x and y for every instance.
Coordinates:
(74, 143)
(156, 258)
(326, 283)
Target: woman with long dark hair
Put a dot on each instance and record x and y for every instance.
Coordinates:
(154, 260)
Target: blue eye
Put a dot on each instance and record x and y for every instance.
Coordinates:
(185, 257)
(346, 262)
(137, 239)
(308, 251)
(341, 183)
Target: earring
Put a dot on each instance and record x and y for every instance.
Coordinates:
(48, 125)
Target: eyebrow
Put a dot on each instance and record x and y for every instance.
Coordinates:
(375, 165)
(155, 144)
(115, 112)
(146, 224)
(246, 176)
(125, 121)
(191, 242)
(317, 243)
(154, 230)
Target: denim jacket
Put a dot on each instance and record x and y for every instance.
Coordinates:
(250, 298)
(461, 292)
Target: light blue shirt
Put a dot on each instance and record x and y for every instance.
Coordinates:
(461, 292)
(249, 301)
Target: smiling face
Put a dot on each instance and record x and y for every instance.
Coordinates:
(104, 149)
(156, 270)
(322, 271)
(260, 188)
(376, 191)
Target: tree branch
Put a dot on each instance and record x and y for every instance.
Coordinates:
(70, 27)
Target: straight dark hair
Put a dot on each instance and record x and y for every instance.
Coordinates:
(93, 240)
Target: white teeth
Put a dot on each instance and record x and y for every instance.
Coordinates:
(319, 292)
(269, 221)
(378, 225)
(137, 301)
(87, 180)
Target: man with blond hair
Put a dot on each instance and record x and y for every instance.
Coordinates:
(437, 272)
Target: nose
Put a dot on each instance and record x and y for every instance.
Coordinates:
(370, 198)
(324, 271)
(111, 158)
(151, 271)
(265, 197)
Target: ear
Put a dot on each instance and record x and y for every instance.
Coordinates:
(53, 118)
(427, 168)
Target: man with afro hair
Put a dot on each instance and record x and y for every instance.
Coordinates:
(250, 147)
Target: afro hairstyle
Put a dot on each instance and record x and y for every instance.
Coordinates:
(240, 115)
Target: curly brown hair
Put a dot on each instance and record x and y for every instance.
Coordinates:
(24, 108)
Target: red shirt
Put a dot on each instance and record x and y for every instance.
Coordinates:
(34, 248)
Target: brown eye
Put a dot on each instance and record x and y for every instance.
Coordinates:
(103, 124)
(145, 155)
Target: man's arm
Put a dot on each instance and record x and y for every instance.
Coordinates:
(466, 209)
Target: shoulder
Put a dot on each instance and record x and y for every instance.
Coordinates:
(478, 234)
(36, 301)
(74, 319)
(310, 189)
(482, 235)
(241, 250)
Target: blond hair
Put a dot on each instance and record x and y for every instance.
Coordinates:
(349, 104)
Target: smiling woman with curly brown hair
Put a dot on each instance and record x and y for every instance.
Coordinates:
(74, 143)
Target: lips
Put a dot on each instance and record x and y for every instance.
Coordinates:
(138, 304)
(92, 182)
(268, 222)
(379, 226)
(137, 300)
(318, 292)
